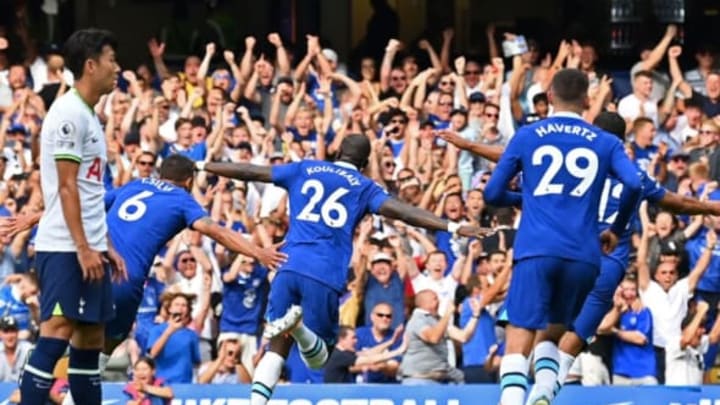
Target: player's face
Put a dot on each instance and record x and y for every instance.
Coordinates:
(105, 70)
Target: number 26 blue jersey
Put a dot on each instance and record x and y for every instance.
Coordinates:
(327, 200)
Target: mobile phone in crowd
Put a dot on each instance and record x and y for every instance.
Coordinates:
(518, 46)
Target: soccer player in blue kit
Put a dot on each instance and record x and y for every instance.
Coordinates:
(564, 163)
(613, 266)
(327, 201)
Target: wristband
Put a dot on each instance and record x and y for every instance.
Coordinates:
(475, 316)
(453, 227)
(200, 166)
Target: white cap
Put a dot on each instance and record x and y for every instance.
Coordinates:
(381, 257)
(330, 55)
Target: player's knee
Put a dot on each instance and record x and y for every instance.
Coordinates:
(57, 327)
(88, 336)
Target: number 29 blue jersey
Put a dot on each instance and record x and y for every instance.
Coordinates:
(610, 205)
(564, 163)
(143, 216)
(327, 200)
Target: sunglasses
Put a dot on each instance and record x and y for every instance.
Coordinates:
(472, 72)
(389, 164)
(446, 83)
(492, 115)
(188, 259)
(404, 179)
(397, 78)
(145, 163)
(381, 315)
(706, 132)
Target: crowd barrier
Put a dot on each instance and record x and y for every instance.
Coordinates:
(340, 394)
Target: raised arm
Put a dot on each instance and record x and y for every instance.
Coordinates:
(205, 64)
(659, 51)
(386, 66)
(676, 73)
(491, 153)
(704, 261)
(281, 56)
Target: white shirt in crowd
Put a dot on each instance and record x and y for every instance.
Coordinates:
(685, 366)
(629, 108)
(668, 310)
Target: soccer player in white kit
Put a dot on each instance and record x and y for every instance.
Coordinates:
(73, 251)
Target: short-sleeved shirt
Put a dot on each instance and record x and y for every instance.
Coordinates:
(143, 216)
(631, 360)
(422, 358)
(71, 131)
(668, 310)
(327, 201)
(181, 353)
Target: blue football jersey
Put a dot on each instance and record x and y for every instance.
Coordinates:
(327, 200)
(610, 204)
(564, 163)
(143, 216)
(243, 300)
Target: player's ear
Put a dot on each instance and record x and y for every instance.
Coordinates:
(189, 182)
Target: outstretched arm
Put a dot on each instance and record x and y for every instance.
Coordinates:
(411, 215)
(687, 205)
(240, 171)
(491, 153)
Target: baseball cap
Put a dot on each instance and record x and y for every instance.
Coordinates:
(413, 181)
(477, 97)
(330, 55)
(16, 129)
(8, 323)
(679, 154)
(381, 257)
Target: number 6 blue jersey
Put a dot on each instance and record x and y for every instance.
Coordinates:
(143, 216)
(327, 200)
(564, 163)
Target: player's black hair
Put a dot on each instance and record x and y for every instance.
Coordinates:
(177, 168)
(611, 122)
(86, 44)
(355, 149)
(570, 86)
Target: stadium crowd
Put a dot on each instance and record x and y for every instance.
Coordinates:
(286, 106)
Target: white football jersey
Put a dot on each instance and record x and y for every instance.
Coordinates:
(72, 131)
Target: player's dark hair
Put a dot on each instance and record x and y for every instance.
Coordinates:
(86, 44)
(355, 149)
(177, 168)
(570, 86)
(611, 122)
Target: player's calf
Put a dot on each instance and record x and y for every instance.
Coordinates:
(84, 369)
(37, 376)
